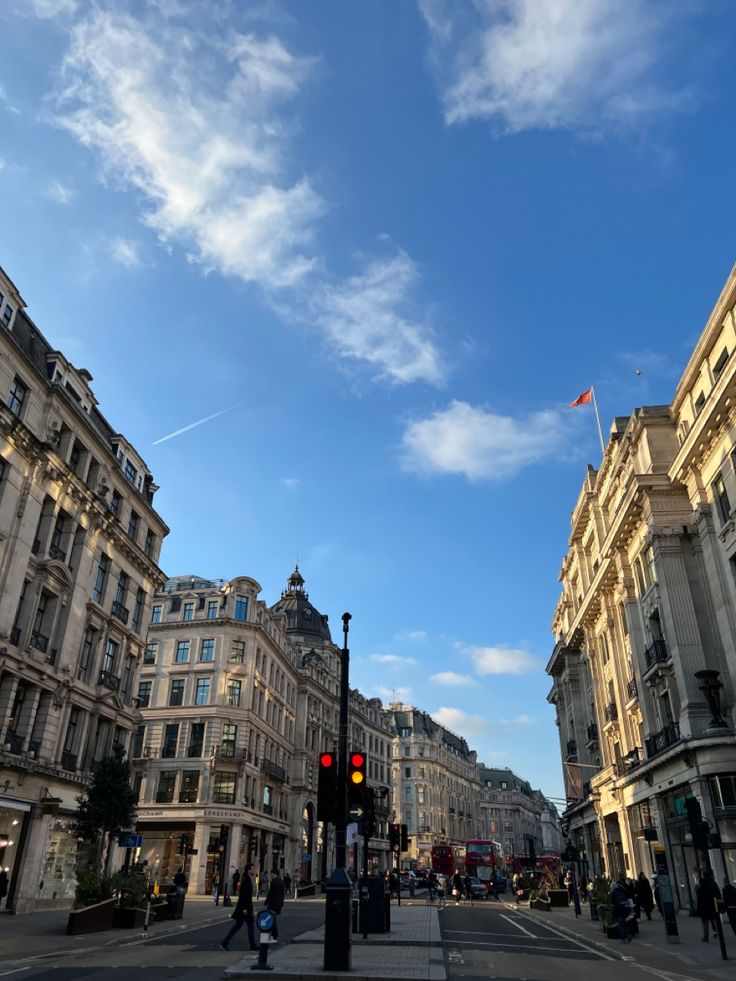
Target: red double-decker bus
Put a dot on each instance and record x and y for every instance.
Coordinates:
(482, 857)
(443, 860)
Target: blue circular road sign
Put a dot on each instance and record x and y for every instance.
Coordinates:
(264, 920)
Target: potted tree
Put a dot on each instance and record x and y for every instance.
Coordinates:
(131, 887)
(105, 809)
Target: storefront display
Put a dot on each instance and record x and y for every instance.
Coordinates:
(59, 869)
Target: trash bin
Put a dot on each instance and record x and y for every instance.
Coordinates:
(373, 910)
(175, 903)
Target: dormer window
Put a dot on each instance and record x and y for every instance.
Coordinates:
(7, 314)
(130, 471)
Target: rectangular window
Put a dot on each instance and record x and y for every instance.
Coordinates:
(212, 610)
(237, 652)
(111, 656)
(151, 652)
(130, 472)
(140, 600)
(202, 693)
(721, 498)
(137, 783)
(122, 588)
(127, 677)
(182, 652)
(7, 314)
(720, 364)
(150, 540)
(188, 611)
(156, 613)
(144, 694)
(134, 523)
(233, 692)
(17, 396)
(407, 771)
(241, 608)
(171, 738)
(70, 740)
(189, 787)
(137, 749)
(207, 651)
(166, 782)
(103, 567)
(229, 738)
(88, 654)
(115, 503)
(223, 791)
(196, 739)
(699, 403)
(176, 692)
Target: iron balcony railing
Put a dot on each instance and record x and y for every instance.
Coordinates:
(630, 762)
(663, 739)
(656, 653)
(108, 680)
(120, 611)
(572, 747)
(274, 770)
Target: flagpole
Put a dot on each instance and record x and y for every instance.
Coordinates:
(598, 420)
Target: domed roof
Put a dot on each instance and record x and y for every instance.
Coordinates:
(301, 616)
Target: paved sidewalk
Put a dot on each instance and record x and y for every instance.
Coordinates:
(691, 957)
(44, 932)
(413, 949)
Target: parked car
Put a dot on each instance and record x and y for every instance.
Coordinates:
(478, 889)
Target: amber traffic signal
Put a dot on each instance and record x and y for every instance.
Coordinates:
(356, 778)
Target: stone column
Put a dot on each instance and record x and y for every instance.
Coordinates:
(8, 689)
(31, 861)
(236, 831)
(198, 865)
(27, 715)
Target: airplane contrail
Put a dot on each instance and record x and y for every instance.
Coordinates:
(193, 425)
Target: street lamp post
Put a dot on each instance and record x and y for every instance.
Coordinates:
(339, 892)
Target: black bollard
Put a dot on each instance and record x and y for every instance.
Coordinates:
(264, 922)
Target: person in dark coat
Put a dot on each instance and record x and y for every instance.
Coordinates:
(644, 895)
(729, 901)
(458, 887)
(706, 896)
(243, 912)
(236, 881)
(275, 900)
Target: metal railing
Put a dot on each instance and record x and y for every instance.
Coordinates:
(120, 611)
(663, 739)
(108, 680)
(630, 762)
(572, 747)
(274, 770)
(611, 712)
(656, 653)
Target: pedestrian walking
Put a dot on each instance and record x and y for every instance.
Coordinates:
(297, 883)
(180, 881)
(707, 895)
(569, 885)
(468, 887)
(644, 895)
(457, 888)
(243, 912)
(622, 910)
(275, 900)
(287, 884)
(729, 901)
(216, 887)
(412, 886)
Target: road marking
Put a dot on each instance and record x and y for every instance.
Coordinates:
(518, 926)
(15, 970)
(570, 937)
(485, 933)
(522, 946)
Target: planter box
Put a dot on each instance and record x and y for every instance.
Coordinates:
(128, 918)
(91, 919)
(558, 897)
(540, 904)
(306, 890)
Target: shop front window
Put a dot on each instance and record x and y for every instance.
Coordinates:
(59, 871)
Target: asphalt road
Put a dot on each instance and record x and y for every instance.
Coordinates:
(192, 955)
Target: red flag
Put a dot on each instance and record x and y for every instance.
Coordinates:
(583, 399)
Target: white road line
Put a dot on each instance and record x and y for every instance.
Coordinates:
(518, 926)
(522, 946)
(15, 970)
(571, 938)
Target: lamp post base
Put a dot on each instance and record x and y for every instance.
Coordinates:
(338, 907)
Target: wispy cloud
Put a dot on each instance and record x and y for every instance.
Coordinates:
(392, 660)
(552, 64)
(462, 722)
(479, 444)
(51, 8)
(500, 660)
(193, 425)
(290, 482)
(371, 317)
(60, 193)
(399, 694)
(452, 678)
(417, 636)
(199, 125)
(125, 252)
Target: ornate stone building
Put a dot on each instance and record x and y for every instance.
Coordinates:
(435, 783)
(238, 700)
(511, 813)
(648, 603)
(79, 545)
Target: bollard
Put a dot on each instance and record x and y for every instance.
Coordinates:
(355, 916)
(264, 922)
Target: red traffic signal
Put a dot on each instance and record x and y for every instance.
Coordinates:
(326, 760)
(356, 778)
(327, 797)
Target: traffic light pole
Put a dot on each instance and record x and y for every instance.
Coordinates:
(339, 893)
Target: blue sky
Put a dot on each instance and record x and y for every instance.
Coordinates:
(393, 240)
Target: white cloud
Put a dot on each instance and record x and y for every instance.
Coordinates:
(51, 8)
(419, 636)
(452, 678)
(2, 164)
(461, 722)
(290, 482)
(200, 144)
(392, 660)
(500, 660)
(480, 445)
(59, 192)
(550, 64)
(125, 252)
(518, 722)
(370, 317)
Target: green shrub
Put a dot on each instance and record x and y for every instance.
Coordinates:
(91, 888)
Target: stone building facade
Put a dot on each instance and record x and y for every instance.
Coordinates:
(648, 602)
(435, 785)
(79, 546)
(238, 700)
(511, 813)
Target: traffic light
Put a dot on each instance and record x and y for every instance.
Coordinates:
(356, 778)
(394, 836)
(183, 844)
(404, 838)
(368, 829)
(327, 796)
